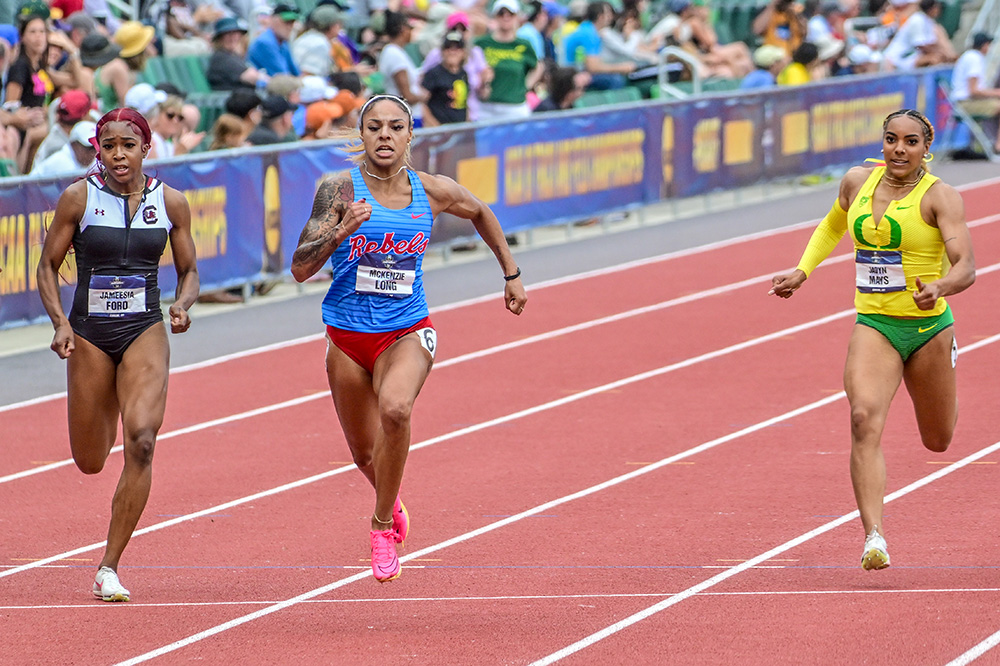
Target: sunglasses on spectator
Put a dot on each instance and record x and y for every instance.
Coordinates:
(173, 115)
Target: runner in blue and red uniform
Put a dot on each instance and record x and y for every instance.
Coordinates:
(118, 221)
(374, 224)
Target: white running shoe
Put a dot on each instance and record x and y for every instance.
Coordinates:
(876, 553)
(107, 586)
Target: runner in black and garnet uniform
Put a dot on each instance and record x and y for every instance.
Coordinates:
(118, 222)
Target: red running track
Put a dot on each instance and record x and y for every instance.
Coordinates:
(653, 469)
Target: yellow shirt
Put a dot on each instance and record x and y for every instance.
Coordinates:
(890, 256)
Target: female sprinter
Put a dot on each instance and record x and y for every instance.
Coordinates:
(374, 222)
(118, 221)
(902, 221)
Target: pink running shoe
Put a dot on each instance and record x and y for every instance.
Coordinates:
(400, 521)
(385, 564)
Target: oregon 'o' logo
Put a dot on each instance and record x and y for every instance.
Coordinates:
(895, 233)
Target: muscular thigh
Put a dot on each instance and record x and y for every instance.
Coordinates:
(930, 380)
(92, 401)
(400, 371)
(353, 398)
(873, 370)
(142, 379)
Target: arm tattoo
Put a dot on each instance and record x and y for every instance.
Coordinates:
(951, 239)
(319, 237)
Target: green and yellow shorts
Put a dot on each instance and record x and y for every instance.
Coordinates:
(908, 335)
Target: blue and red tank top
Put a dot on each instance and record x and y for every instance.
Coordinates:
(378, 271)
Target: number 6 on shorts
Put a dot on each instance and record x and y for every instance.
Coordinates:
(428, 340)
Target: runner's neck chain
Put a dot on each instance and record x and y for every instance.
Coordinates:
(380, 177)
(899, 183)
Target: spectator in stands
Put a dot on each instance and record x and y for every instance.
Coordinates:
(67, 8)
(314, 89)
(228, 132)
(402, 77)
(96, 52)
(144, 98)
(78, 26)
(769, 60)
(179, 30)
(916, 43)
(968, 84)
(861, 59)
(227, 67)
(584, 49)
(70, 108)
(781, 23)
(288, 86)
(245, 105)
(696, 35)
(113, 79)
(478, 71)
(558, 14)
(566, 85)
(799, 70)
(624, 40)
(31, 84)
(447, 84)
(313, 49)
(534, 27)
(170, 135)
(270, 51)
(75, 157)
(829, 53)
(350, 104)
(826, 22)
(515, 67)
(323, 118)
(275, 125)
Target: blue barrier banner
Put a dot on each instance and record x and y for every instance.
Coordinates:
(557, 169)
(25, 213)
(248, 206)
(717, 144)
(226, 216)
(290, 184)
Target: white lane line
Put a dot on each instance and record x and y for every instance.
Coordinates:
(774, 552)
(542, 508)
(442, 364)
(445, 437)
(460, 359)
(534, 286)
(977, 651)
(583, 596)
(487, 298)
(225, 626)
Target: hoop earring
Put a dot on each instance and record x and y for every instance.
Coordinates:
(928, 157)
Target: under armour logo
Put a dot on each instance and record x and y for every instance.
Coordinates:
(98, 211)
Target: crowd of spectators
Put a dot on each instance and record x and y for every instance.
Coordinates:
(293, 76)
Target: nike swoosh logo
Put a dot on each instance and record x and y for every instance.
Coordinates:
(903, 207)
(924, 330)
(416, 216)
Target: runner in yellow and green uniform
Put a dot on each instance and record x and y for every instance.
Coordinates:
(903, 221)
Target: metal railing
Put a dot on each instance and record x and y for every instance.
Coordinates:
(662, 75)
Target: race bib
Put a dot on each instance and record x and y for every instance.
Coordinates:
(113, 296)
(879, 271)
(386, 275)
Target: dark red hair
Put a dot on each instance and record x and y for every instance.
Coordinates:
(125, 115)
(121, 115)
